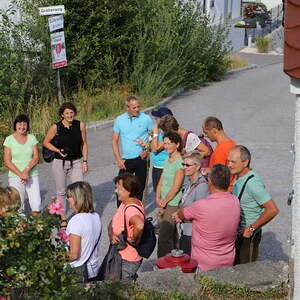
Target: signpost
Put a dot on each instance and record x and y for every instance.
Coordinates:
(56, 23)
(52, 10)
(58, 44)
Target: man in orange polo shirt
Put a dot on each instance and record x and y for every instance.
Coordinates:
(213, 129)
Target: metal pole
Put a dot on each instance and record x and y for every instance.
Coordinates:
(59, 88)
(246, 37)
(296, 203)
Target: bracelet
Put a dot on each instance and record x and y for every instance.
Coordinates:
(155, 135)
(85, 161)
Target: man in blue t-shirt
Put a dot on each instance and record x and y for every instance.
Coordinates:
(132, 126)
(257, 207)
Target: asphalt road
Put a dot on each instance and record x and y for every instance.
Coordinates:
(256, 109)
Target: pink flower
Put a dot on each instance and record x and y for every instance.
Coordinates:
(63, 235)
(56, 208)
(2, 298)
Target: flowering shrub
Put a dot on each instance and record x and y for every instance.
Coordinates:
(257, 11)
(254, 10)
(33, 255)
(56, 208)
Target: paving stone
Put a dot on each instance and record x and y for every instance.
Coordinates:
(258, 276)
(168, 280)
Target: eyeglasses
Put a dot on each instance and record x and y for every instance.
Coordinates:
(187, 165)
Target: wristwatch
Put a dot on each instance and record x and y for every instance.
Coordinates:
(252, 228)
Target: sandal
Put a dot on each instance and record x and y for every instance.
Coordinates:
(63, 224)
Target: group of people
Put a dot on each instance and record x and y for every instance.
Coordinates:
(220, 203)
(84, 228)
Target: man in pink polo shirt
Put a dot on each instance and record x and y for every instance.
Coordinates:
(215, 221)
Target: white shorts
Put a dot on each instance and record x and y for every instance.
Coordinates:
(32, 187)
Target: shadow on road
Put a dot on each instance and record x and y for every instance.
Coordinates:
(271, 248)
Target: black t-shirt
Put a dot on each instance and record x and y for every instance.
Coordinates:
(70, 140)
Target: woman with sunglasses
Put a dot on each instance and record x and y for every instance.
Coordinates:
(84, 230)
(168, 194)
(197, 188)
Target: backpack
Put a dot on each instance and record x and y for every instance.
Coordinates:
(48, 155)
(148, 239)
(206, 159)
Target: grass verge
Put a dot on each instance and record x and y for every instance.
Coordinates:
(237, 62)
(217, 291)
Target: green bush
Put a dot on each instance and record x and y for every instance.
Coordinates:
(154, 45)
(263, 44)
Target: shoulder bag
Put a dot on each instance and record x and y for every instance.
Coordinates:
(84, 268)
(48, 155)
(243, 188)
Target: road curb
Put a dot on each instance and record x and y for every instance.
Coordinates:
(252, 66)
(108, 123)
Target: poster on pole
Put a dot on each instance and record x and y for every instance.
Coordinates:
(58, 50)
(56, 23)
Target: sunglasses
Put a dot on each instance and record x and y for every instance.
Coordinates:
(69, 196)
(187, 165)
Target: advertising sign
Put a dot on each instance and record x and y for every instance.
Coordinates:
(58, 50)
(56, 23)
(52, 10)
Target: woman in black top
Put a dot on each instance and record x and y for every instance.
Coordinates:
(71, 151)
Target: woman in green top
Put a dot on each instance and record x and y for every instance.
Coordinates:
(21, 157)
(168, 194)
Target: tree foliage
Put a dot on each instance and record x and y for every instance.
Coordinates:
(155, 46)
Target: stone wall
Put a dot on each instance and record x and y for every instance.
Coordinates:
(260, 276)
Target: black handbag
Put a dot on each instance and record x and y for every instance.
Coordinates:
(49, 155)
(148, 239)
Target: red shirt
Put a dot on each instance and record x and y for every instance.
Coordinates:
(220, 156)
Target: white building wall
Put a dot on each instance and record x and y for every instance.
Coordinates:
(271, 3)
(4, 4)
(236, 9)
(221, 10)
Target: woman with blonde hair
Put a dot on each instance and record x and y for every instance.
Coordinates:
(197, 188)
(84, 230)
